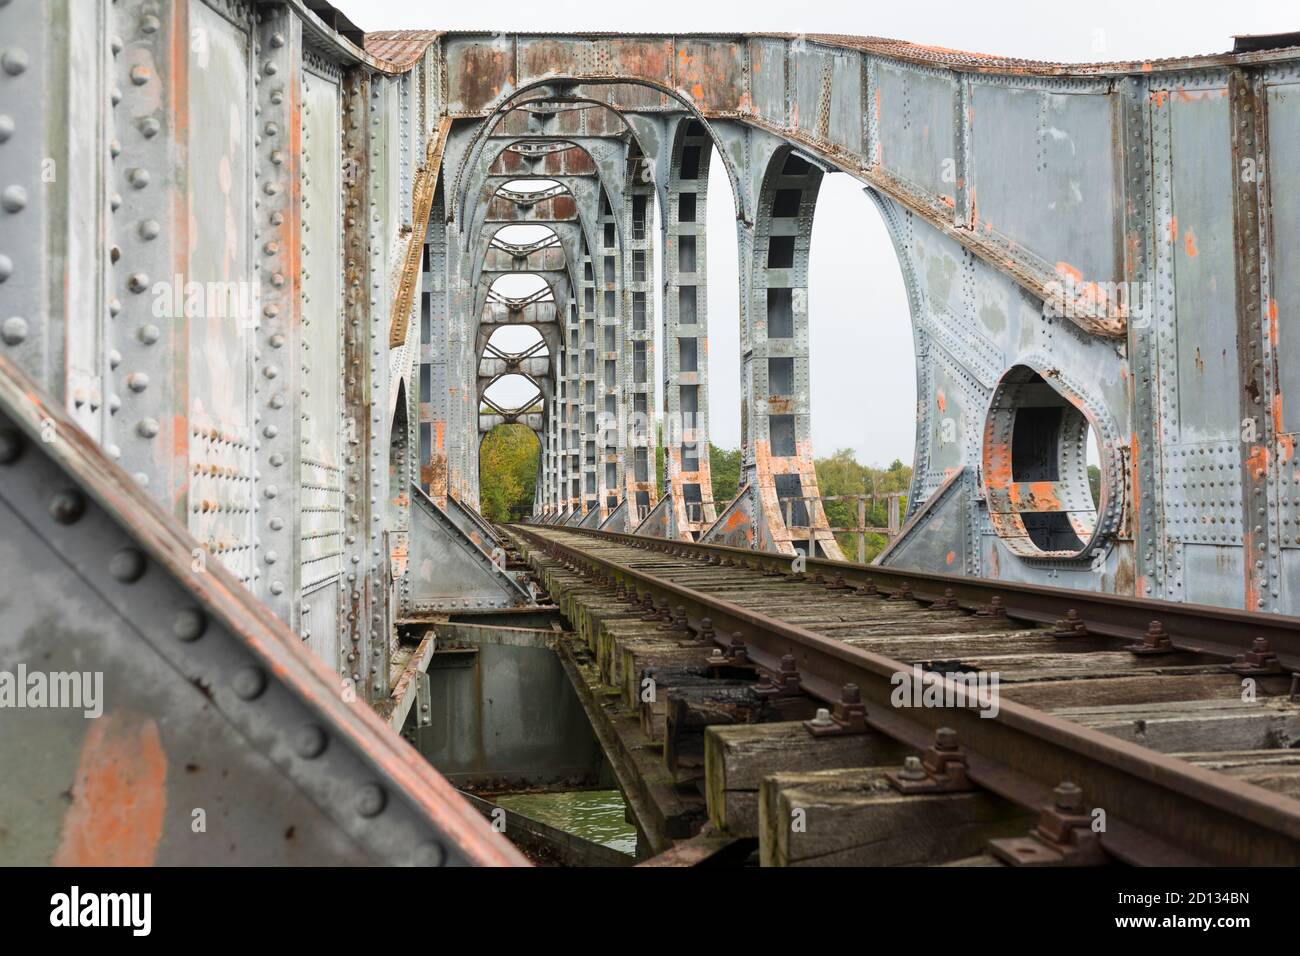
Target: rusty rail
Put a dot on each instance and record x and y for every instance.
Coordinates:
(1197, 628)
(1159, 810)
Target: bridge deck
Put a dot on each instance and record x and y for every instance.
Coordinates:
(1139, 732)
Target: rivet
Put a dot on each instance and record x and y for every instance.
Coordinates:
(6, 267)
(189, 624)
(249, 682)
(139, 178)
(148, 427)
(140, 75)
(149, 229)
(14, 198)
(150, 24)
(14, 331)
(137, 381)
(138, 282)
(149, 334)
(309, 741)
(149, 127)
(431, 854)
(14, 61)
(371, 800)
(6, 127)
(67, 506)
(127, 565)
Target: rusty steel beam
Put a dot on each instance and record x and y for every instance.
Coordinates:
(199, 675)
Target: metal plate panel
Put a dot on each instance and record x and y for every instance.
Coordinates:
(320, 465)
(1043, 176)
(1212, 574)
(1201, 236)
(915, 117)
(219, 190)
(1284, 272)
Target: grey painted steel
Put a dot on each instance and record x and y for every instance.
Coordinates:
(504, 713)
(203, 703)
(1127, 233)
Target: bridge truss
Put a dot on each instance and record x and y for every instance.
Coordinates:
(252, 262)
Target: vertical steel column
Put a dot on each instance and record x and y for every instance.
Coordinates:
(58, 155)
(1139, 269)
(1251, 227)
(610, 432)
(639, 488)
(149, 387)
(361, 588)
(776, 362)
(587, 445)
(435, 382)
(571, 474)
(277, 231)
(687, 475)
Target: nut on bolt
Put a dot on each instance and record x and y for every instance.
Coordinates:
(1155, 641)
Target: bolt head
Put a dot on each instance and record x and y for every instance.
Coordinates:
(1068, 797)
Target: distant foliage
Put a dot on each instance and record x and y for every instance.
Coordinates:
(508, 472)
(724, 464)
(840, 474)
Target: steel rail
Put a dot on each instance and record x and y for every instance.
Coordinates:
(1198, 628)
(1159, 810)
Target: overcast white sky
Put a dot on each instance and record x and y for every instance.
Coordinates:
(863, 372)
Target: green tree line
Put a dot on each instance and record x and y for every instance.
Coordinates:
(508, 476)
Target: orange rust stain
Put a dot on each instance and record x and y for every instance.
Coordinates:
(1146, 67)
(1159, 98)
(1257, 460)
(1286, 447)
(1044, 493)
(1272, 322)
(119, 795)
(877, 104)
(439, 429)
(1172, 228)
(941, 401)
(180, 437)
(697, 91)
(1013, 496)
(1189, 242)
(1069, 271)
(952, 556)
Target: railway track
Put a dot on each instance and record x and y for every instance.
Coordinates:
(843, 713)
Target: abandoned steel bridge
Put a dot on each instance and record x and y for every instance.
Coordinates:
(253, 264)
